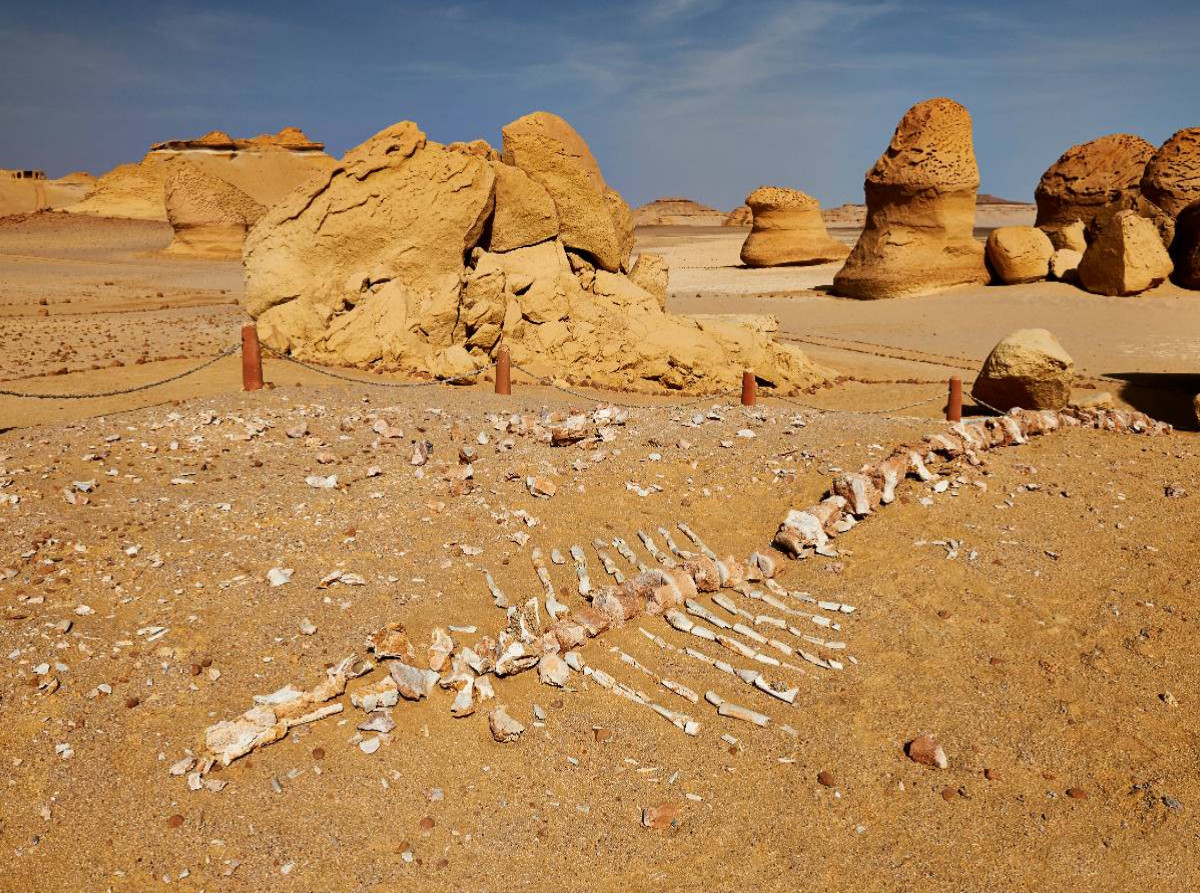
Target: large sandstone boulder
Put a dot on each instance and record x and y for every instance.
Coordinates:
(1172, 177)
(1019, 254)
(1094, 179)
(920, 194)
(593, 218)
(787, 230)
(392, 261)
(209, 216)
(1126, 257)
(1029, 369)
(1185, 248)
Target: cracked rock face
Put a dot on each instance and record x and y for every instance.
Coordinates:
(420, 257)
(210, 217)
(1127, 257)
(921, 193)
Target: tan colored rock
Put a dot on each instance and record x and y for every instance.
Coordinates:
(1097, 178)
(1185, 247)
(209, 216)
(788, 230)
(650, 273)
(380, 263)
(926, 750)
(1095, 400)
(525, 213)
(1064, 265)
(1029, 369)
(740, 216)
(920, 195)
(366, 264)
(1127, 257)
(593, 218)
(1172, 176)
(1071, 236)
(1019, 254)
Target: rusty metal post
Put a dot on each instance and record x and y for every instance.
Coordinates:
(252, 376)
(954, 404)
(748, 388)
(503, 372)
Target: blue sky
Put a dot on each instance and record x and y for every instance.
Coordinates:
(702, 98)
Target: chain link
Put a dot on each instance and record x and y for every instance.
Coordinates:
(131, 390)
(379, 384)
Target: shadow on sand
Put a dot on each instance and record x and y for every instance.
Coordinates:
(1166, 396)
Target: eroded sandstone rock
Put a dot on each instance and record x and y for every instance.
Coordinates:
(209, 216)
(1172, 176)
(1095, 179)
(1185, 247)
(1127, 257)
(650, 273)
(392, 261)
(920, 210)
(1027, 369)
(787, 229)
(1019, 254)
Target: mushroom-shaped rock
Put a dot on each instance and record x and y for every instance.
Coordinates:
(593, 218)
(787, 230)
(1126, 257)
(1172, 177)
(1027, 369)
(1097, 178)
(1019, 254)
(210, 216)
(920, 194)
(1185, 247)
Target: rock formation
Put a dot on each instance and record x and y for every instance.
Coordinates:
(1064, 265)
(740, 216)
(266, 168)
(594, 220)
(391, 260)
(788, 230)
(1097, 178)
(1172, 176)
(209, 216)
(677, 212)
(1027, 369)
(1125, 258)
(1185, 248)
(920, 210)
(650, 273)
(1019, 254)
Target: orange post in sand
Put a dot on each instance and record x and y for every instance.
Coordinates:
(748, 388)
(503, 372)
(252, 377)
(954, 405)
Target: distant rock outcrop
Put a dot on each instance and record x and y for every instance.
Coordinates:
(677, 212)
(391, 261)
(739, 216)
(1093, 180)
(788, 230)
(1027, 369)
(920, 210)
(29, 191)
(1127, 257)
(265, 167)
(209, 216)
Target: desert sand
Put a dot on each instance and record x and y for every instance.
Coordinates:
(1034, 614)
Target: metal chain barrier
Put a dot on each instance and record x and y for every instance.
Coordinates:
(888, 411)
(229, 351)
(379, 384)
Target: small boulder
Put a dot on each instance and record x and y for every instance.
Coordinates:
(1126, 258)
(504, 728)
(1064, 265)
(1029, 369)
(1071, 236)
(926, 750)
(1019, 254)
(651, 274)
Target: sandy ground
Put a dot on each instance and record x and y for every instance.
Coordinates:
(1038, 616)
